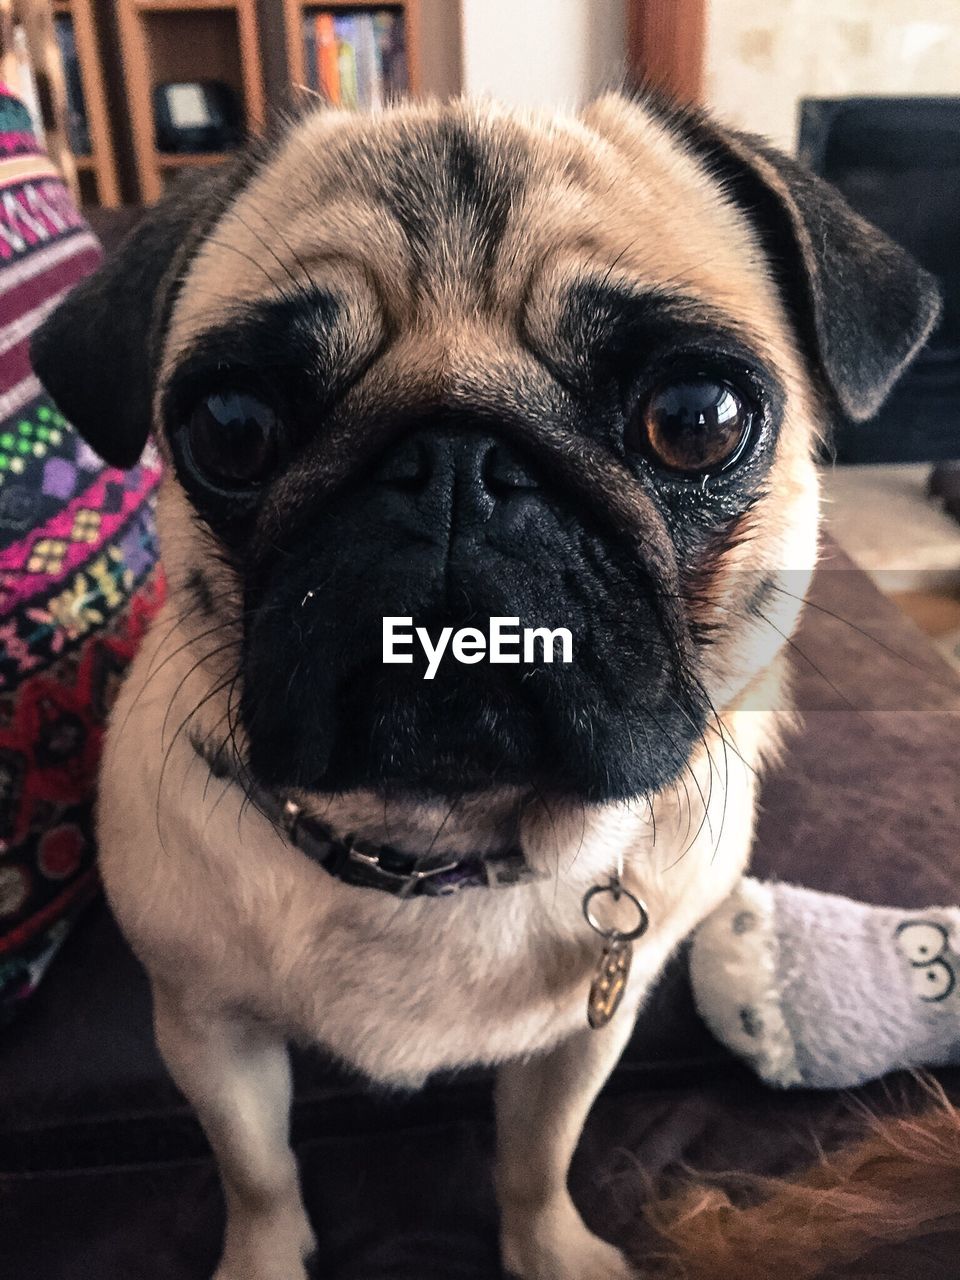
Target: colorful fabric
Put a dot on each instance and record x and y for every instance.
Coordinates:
(77, 550)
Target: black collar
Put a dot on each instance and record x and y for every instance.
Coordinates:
(370, 866)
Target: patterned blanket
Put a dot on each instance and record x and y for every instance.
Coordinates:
(76, 589)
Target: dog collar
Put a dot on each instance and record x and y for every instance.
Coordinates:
(374, 866)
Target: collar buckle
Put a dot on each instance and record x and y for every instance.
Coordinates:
(373, 868)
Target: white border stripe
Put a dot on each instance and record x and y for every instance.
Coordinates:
(24, 325)
(14, 400)
(43, 259)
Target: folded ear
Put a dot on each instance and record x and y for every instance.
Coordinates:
(96, 354)
(862, 306)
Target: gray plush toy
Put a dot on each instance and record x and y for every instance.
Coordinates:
(817, 990)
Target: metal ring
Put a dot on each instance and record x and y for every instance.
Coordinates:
(616, 891)
(290, 815)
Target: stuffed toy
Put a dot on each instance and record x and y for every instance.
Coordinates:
(817, 990)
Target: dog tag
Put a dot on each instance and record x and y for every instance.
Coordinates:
(613, 968)
(609, 981)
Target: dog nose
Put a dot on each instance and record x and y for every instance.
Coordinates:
(462, 469)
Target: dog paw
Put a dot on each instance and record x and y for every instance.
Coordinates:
(277, 1246)
(290, 1267)
(554, 1244)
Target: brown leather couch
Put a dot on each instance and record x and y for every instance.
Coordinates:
(104, 1174)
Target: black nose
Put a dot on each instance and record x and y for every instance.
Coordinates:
(460, 475)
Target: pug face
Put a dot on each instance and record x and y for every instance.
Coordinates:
(453, 364)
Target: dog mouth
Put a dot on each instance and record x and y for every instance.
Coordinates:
(448, 539)
(462, 731)
(338, 720)
(466, 729)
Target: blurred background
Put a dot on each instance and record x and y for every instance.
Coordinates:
(129, 93)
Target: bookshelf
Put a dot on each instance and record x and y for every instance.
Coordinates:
(126, 48)
(185, 40)
(97, 167)
(406, 12)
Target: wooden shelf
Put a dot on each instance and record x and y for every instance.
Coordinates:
(171, 40)
(354, 4)
(191, 159)
(183, 6)
(250, 46)
(101, 163)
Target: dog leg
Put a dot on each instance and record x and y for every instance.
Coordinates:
(542, 1103)
(237, 1077)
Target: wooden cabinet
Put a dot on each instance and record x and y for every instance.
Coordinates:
(126, 48)
(175, 40)
(97, 168)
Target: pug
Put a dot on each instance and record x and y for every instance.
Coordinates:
(451, 363)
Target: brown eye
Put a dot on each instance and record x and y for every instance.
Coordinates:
(697, 425)
(233, 438)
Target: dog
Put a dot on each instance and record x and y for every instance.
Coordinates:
(449, 363)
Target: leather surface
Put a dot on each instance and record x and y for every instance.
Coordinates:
(114, 1180)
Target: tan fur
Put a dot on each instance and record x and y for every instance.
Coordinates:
(246, 941)
(899, 1182)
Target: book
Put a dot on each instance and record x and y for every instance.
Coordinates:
(346, 28)
(78, 133)
(369, 87)
(27, 88)
(388, 28)
(310, 51)
(355, 59)
(328, 69)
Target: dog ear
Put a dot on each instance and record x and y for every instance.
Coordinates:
(96, 354)
(862, 306)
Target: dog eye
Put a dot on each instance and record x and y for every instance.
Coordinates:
(233, 437)
(695, 425)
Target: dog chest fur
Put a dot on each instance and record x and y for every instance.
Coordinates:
(216, 900)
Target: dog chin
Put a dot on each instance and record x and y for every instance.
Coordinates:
(459, 735)
(488, 822)
(444, 741)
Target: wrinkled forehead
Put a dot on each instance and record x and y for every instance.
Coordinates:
(431, 217)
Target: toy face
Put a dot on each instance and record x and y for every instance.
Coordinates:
(923, 944)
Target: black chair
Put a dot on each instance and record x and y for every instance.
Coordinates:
(897, 161)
